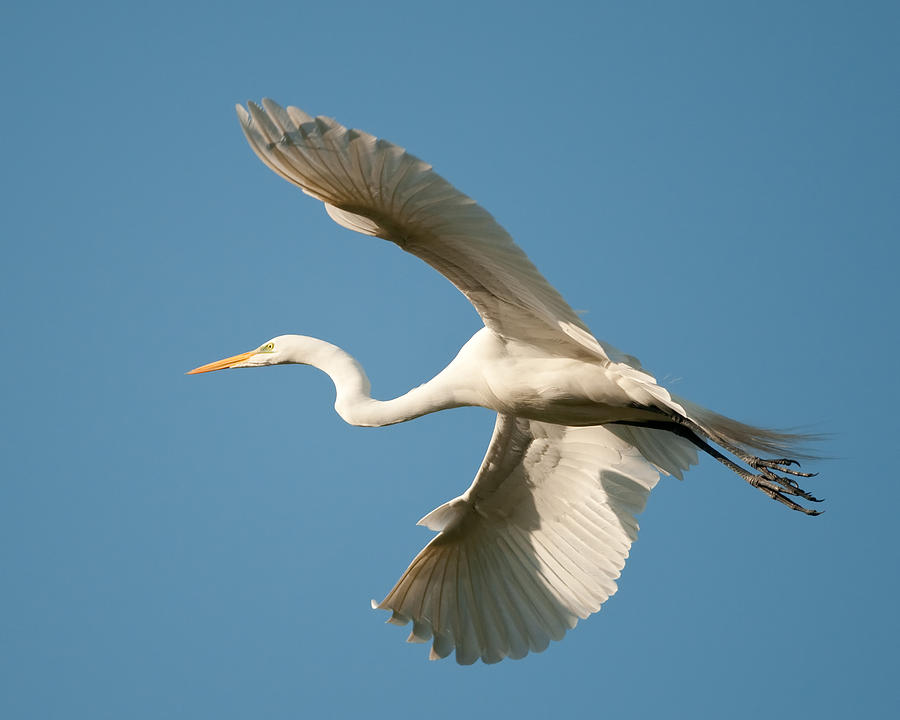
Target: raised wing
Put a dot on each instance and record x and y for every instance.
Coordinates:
(376, 188)
(536, 542)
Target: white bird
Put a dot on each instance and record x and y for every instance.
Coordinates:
(582, 433)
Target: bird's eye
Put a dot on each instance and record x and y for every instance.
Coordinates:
(268, 347)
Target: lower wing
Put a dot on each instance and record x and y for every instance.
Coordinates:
(537, 542)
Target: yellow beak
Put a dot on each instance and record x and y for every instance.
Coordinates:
(222, 364)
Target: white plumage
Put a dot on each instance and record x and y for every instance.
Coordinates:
(535, 543)
(583, 431)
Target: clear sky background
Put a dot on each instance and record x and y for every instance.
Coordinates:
(714, 183)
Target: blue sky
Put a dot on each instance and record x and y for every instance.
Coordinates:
(716, 184)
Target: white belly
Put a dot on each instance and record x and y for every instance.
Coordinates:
(573, 392)
(526, 381)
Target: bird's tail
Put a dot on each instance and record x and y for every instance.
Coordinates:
(767, 441)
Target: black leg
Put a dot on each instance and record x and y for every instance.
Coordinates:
(766, 479)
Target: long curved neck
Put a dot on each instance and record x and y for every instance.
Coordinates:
(354, 402)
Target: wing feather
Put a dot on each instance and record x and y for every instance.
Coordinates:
(538, 540)
(374, 187)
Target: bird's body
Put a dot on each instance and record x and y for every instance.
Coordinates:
(582, 433)
(508, 376)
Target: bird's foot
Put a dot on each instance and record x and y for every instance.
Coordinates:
(776, 477)
(767, 470)
(779, 488)
(781, 465)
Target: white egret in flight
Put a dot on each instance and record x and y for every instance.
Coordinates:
(582, 433)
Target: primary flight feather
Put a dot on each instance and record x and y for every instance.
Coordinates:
(582, 433)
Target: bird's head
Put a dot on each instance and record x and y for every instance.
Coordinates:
(278, 350)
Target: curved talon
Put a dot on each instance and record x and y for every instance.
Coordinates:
(788, 471)
(797, 473)
(779, 461)
(786, 481)
(768, 462)
(789, 462)
(776, 495)
(797, 492)
(779, 465)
